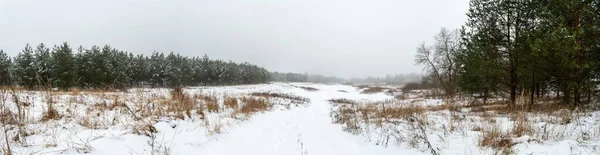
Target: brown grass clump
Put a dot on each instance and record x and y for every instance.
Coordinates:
(177, 92)
(50, 114)
(308, 88)
(144, 129)
(362, 86)
(400, 112)
(281, 95)
(104, 106)
(504, 107)
(6, 117)
(200, 111)
(253, 105)
(212, 105)
(342, 101)
(373, 90)
(230, 102)
(180, 103)
(86, 121)
(494, 137)
(342, 115)
(522, 127)
(348, 117)
(74, 91)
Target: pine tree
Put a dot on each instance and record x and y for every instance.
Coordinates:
(43, 64)
(83, 67)
(5, 65)
(157, 69)
(140, 72)
(569, 32)
(25, 71)
(63, 67)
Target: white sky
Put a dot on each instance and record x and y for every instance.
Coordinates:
(346, 38)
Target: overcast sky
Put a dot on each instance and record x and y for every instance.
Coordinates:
(346, 38)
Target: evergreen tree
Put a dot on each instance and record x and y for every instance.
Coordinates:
(109, 67)
(43, 64)
(157, 69)
(5, 65)
(140, 68)
(569, 40)
(63, 67)
(25, 71)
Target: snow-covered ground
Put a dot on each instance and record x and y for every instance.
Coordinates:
(139, 122)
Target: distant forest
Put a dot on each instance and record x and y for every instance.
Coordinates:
(106, 67)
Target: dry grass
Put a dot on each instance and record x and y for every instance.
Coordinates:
(178, 105)
(400, 112)
(373, 90)
(231, 102)
(213, 128)
(343, 101)
(6, 117)
(387, 109)
(522, 126)
(281, 95)
(104, 106)
(211, 104)
(144, 129)
(307, 88)
(86, 121)
(253, 105)
(494, 137)
(348, 117)
(50, 114)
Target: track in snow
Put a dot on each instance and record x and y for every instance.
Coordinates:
(299, 131)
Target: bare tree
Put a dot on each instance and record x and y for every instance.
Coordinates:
(439, 59)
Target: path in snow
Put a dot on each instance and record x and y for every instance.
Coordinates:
(304, 130)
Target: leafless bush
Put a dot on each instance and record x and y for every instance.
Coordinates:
(418, 86)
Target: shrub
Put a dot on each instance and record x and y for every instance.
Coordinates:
(418, 86)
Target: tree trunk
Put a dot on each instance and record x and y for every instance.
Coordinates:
(485, 96)
(532, 88)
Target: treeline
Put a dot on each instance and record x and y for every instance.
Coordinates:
(107, 67)
(513, 48)
(296, 77)
(398, 79)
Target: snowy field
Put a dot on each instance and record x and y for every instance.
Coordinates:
(281, 119)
